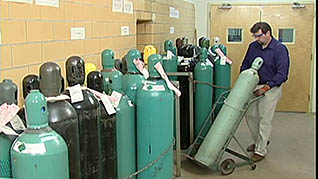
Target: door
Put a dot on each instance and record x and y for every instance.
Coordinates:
(297, 89)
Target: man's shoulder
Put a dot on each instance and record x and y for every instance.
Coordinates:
(277, 44)
(253, 44)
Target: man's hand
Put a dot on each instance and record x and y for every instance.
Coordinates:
(262, 90)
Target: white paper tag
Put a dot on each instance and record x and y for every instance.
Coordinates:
(221, 54)
(57, 98)
(7, 130)
(117, 96)
(117, 6)
(25, 148)
(140, 66)
(147, 87)
(158, 88)
(76, 93)
(169, 54)
(223, 60)
(163, 75)
(128, 7)
(108, 105)
(180, 59)
(17, 123)
(7, 112)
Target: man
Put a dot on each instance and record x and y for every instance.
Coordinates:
(273, 73)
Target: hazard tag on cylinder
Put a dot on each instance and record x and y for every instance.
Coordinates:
(225, 58)
(164, 76)
(108, 105)
(117, 97)
(140, 66)
(76, 93)
(17, 123)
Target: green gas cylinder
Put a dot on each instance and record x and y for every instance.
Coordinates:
(231, 113)
(170, 62)
(222, 77)
(126, 129)
(133, 78)
(39, 152)
(155, 114)
(203, 96)
(108, 62)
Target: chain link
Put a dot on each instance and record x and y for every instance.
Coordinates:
(206, 83)
(153, 162)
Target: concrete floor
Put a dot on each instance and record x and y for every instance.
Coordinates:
(292, 152)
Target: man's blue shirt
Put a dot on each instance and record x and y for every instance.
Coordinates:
(275, 68)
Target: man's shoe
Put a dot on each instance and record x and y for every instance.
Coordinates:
(251, 148)
(257, 157)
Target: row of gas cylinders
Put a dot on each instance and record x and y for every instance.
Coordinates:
(119, 126)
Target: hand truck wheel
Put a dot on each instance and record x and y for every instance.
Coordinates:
(253, 166)
(224, 167)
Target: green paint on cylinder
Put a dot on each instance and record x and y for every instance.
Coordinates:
(205, 43)
(155, 111)
(125, 130)
(170, 64)
(229, 116)
(222, 77)
(39, 152)
(108, 62)
(5, 162)
(133, 79)
(203, 96)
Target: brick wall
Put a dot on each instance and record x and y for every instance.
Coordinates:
(32, 34)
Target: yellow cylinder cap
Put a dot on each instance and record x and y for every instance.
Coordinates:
(89, 67)
(149, 50)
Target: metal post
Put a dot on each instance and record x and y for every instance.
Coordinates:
(178, 147)
(191, 105)
(177, 107)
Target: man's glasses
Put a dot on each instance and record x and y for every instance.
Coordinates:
(257, 35)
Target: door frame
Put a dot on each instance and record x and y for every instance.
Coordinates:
(312, 100)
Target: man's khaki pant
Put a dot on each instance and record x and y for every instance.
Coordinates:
(259, 118)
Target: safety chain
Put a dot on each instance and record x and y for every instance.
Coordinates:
(206, 83)
(153, 162)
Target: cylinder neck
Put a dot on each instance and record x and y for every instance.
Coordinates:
(8, 92)
(95, 81)
(131, 56)
(257, 64)
(29, 83)
(75, 71)
(203, 54)
(108, 59)
(116, 81)
(206, 43)
(36, 110)
(152, 61)
(50, 79)
(168, 45)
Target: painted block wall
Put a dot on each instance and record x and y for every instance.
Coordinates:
(31, 34)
